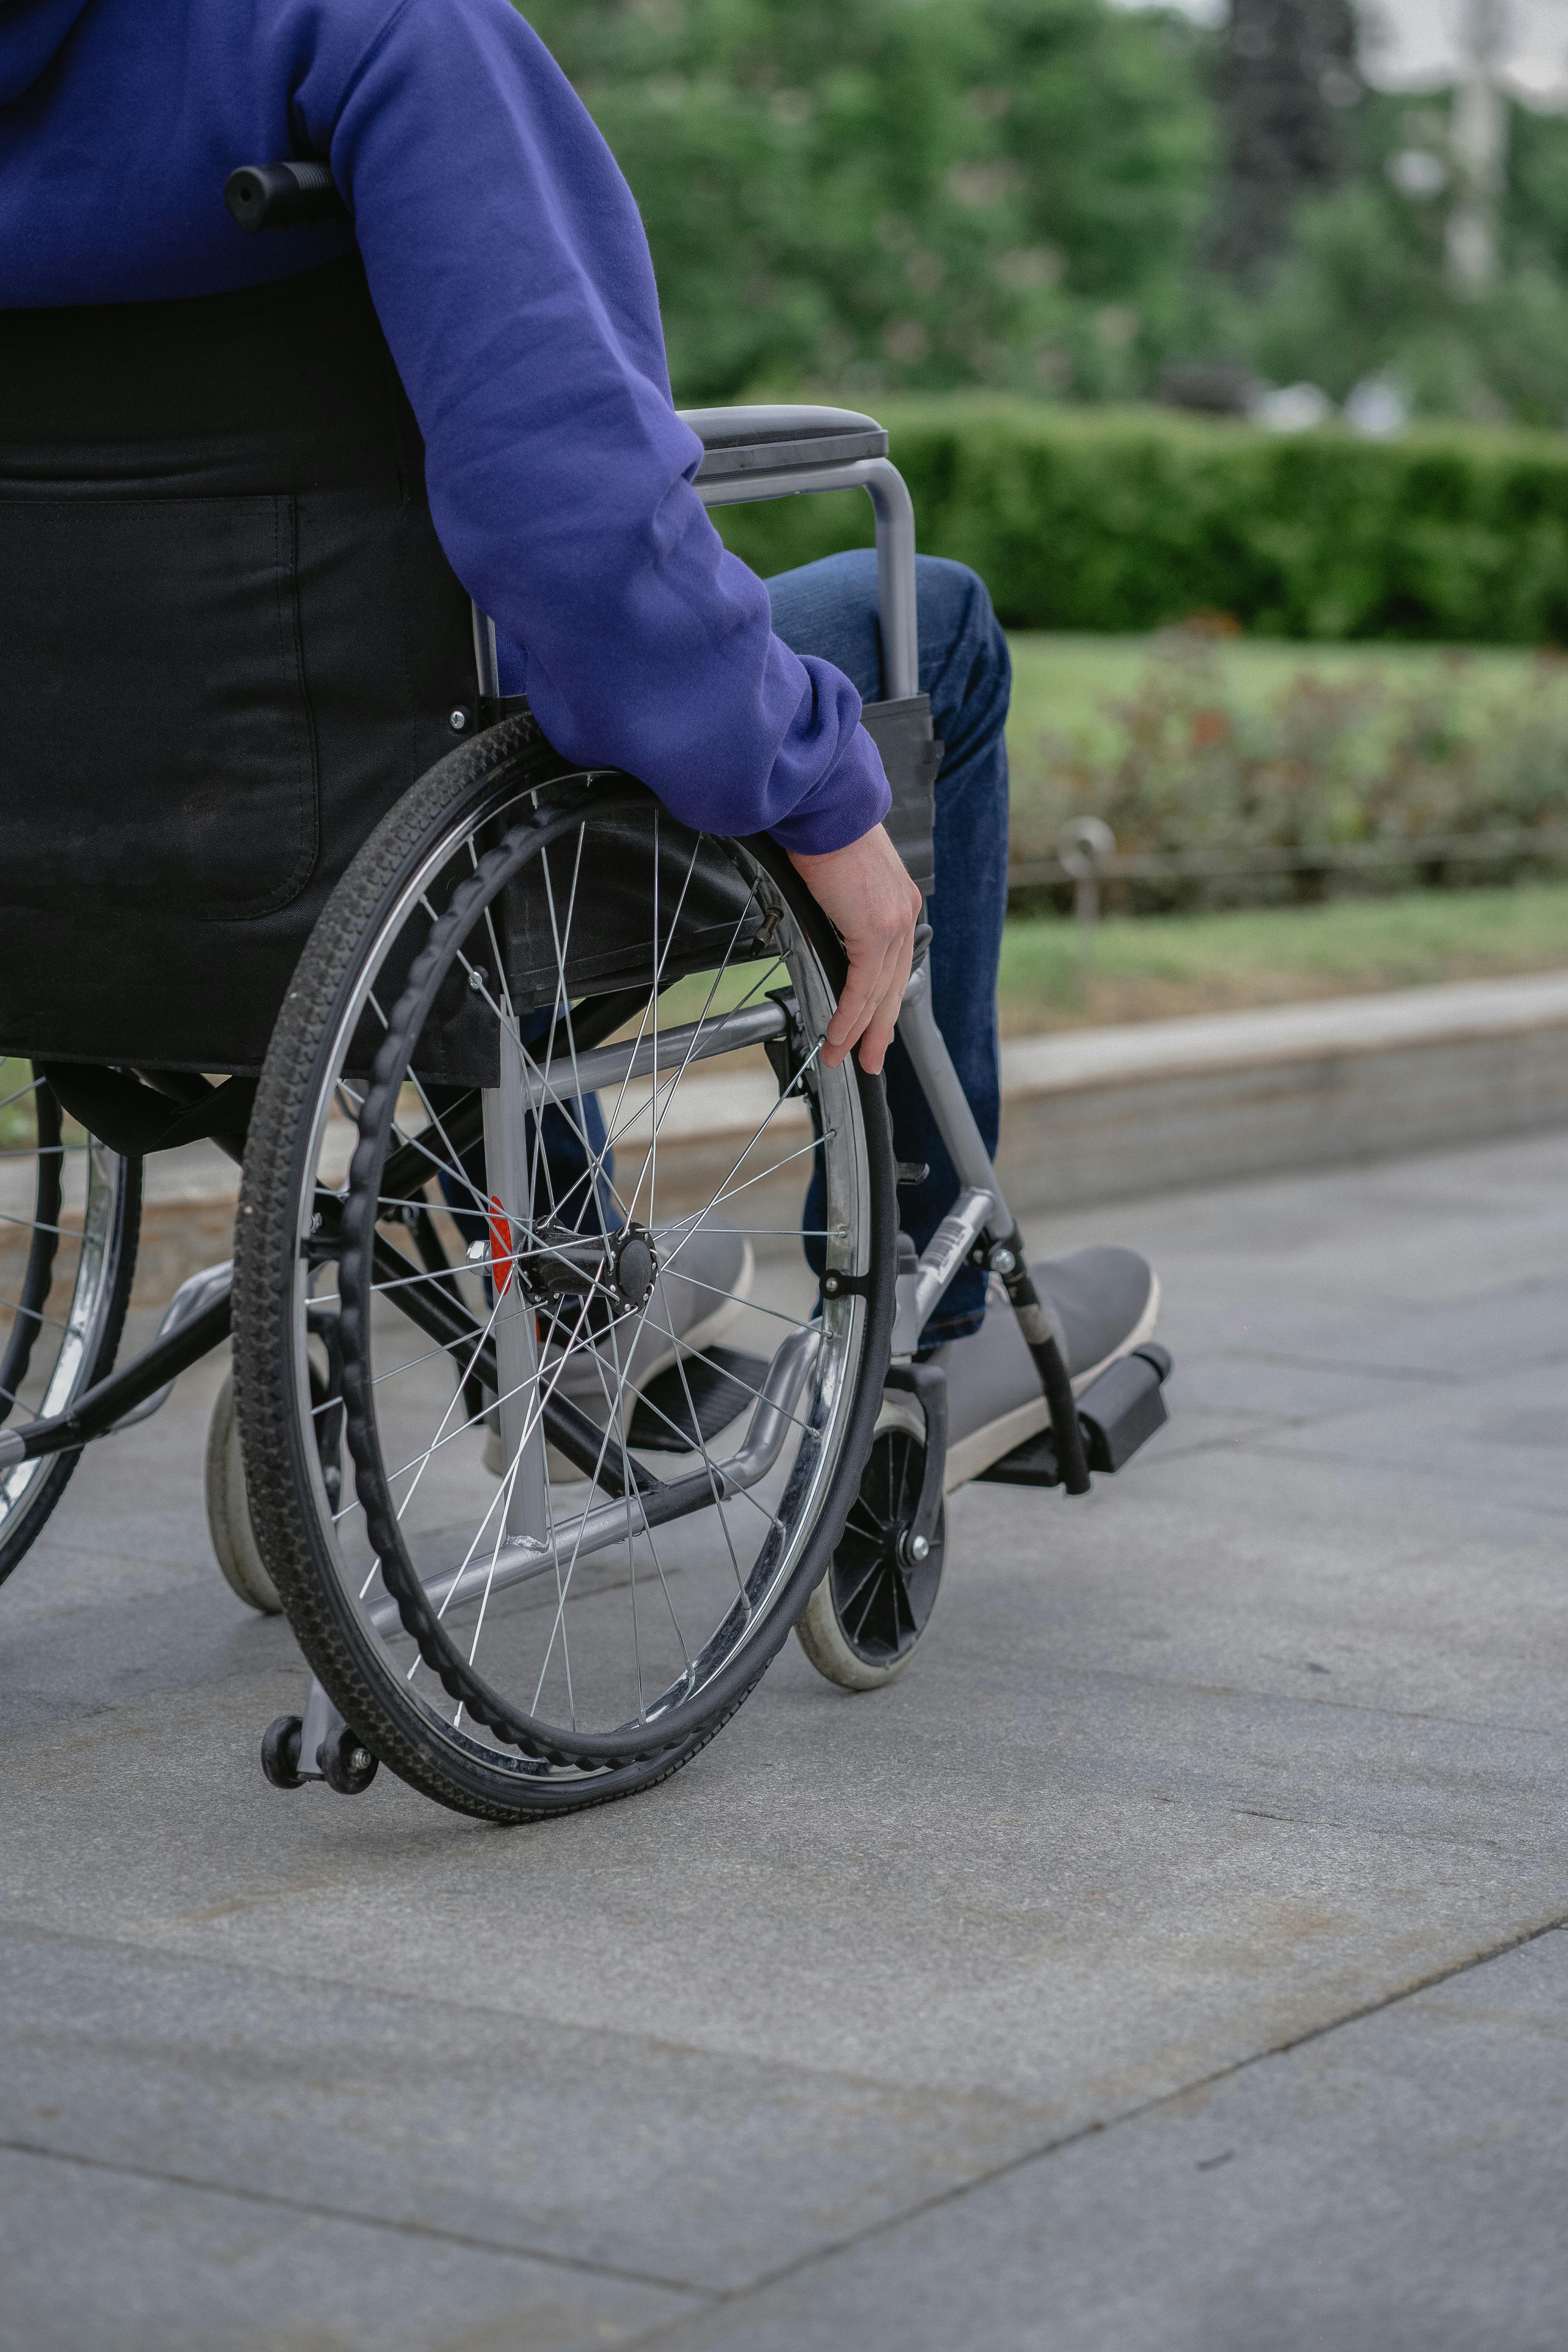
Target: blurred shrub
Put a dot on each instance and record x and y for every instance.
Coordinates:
(1185, 763)
(1126, 520)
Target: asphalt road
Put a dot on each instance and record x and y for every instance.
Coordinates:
(1177, 1956)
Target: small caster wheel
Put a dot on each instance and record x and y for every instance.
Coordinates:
(867, 1618)
(228, 1515)
(281, 1752)
(345, 1763)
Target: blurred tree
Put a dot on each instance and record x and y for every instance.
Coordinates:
(1058, 197)
(881, 194)
(1365, 288)
(1284, 77)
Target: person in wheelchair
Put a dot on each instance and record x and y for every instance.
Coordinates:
(400, 492)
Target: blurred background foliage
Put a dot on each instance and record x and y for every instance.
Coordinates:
(876, 194)
(1195, 739)
(1062, 199)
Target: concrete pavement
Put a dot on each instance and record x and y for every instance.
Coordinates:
(1174, 1957)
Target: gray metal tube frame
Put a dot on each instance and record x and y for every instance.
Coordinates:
(981, 1207)
(568, 1077)
(894, 509)
(612, 1523)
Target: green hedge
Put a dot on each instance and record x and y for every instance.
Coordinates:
(1124, 520)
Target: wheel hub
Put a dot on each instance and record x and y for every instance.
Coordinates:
(563, 1263)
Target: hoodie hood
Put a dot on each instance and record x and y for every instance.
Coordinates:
(31, 31)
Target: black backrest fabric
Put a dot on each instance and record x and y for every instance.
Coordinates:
(229, 640)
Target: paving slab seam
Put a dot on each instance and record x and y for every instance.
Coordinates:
(352, 2218)
(941, 2198)
(1260, 1446)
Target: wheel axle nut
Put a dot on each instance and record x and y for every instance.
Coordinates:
(919, 1549)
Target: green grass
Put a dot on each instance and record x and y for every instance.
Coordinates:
(1063, 683)
(1151, 965)
(17, 1125)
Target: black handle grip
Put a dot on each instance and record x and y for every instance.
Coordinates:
(282, 195)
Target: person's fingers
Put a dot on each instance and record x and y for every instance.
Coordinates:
(870, 1001)
(866, 892)
(860, 996)
(878, 1034)
(869, 1008)
(857, 1001)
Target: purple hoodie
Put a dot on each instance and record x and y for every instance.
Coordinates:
(510, 270)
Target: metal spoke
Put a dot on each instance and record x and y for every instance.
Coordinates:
(732, 1191)
(712, 1474)
(659, 962)
(30, 1088)
(702, 1356)
(797, 1322)
(667, 1087)
(498, 1502)
(647, 1531)
(34, 1314)
(40, 1225)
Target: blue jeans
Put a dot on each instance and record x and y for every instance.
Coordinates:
(830, 609)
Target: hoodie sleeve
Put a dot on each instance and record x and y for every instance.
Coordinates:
(507, 263)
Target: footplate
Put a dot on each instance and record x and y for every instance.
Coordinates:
(1118, 1414)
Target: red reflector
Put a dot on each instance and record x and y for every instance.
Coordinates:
(500, 1246)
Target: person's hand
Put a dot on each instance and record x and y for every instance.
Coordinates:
(866, 893)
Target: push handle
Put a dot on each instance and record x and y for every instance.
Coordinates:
(282, 195)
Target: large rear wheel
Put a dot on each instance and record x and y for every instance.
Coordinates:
(521, 1227)
(70, 1211)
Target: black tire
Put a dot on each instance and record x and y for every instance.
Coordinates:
(60, 1327)
(345, 1764)
(873, 1610)
(281, 1752)
(536, 1776)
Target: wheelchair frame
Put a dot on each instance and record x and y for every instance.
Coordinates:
(753, 455)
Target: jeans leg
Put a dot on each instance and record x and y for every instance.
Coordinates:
(830, 609)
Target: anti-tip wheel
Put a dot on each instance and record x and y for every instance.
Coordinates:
(281, 1752)
(345, 1763)
(866, 1619)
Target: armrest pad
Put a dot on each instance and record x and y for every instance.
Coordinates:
(779, 439)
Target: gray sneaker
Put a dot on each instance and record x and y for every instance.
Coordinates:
(1102, 1304)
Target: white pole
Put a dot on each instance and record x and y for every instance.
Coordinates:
(1480, 143)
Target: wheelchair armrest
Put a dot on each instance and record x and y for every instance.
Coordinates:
(776, 440)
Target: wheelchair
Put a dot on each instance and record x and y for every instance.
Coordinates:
(530, 1438)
